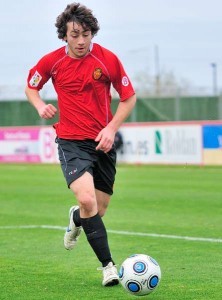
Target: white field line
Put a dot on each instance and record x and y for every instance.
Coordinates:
(167, 236)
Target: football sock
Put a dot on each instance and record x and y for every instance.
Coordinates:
(97, 237)
(76, 218)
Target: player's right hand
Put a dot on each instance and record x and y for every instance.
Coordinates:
(48, 111)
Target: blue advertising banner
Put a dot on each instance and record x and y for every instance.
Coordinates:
(212, 136)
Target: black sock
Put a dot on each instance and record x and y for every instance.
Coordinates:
(76, 218)
(97, 237)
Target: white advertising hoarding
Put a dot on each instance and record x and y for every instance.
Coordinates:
(170, 144)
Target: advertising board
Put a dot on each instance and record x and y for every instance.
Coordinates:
(173, 144)
(27, 144)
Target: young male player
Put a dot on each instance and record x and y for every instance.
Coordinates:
(82, 73)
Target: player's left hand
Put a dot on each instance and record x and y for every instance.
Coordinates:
(106, 139)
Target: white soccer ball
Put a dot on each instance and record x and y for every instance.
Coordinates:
(140, 274)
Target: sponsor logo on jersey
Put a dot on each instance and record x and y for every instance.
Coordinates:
(125, 81)
(35, 80)
(97, 73)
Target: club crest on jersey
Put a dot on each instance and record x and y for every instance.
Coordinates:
(36, 78)
(97, 73)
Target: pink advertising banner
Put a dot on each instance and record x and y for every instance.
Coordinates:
(28, 144)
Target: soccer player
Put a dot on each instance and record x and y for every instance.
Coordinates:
(82, 73)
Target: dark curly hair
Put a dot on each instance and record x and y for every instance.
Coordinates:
(78, 13)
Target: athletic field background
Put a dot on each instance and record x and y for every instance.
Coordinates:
(172, 213)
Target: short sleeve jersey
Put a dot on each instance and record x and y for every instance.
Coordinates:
(83, 89)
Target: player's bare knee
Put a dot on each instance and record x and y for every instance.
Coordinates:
(87, 202)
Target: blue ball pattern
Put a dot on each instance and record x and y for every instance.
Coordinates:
(154, 261)
(121, 271)
(153, 281)
(139, 267)
(134, 287)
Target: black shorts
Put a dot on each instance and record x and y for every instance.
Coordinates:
(77, 157)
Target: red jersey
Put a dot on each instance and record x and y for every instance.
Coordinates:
(83, 89)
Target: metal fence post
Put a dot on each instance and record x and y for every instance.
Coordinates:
(177, 106)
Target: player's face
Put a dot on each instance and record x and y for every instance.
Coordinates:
(78, 40)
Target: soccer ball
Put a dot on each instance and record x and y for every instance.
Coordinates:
(140, 274)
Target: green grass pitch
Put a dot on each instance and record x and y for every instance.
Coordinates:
(171, 202)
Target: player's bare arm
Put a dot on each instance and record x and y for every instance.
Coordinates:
(106, 135)
(45, 111)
